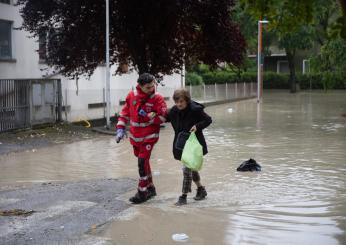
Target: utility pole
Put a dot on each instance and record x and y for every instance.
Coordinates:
(108, 96)
(259, 59)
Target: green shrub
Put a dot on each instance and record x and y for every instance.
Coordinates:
(304, 81)
(208, 77)
(326, 80)
(271, 80)
(340, 80)
(223, 77)
(249, 77)
(307, 81)
(193, 78)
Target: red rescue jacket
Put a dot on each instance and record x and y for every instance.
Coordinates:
(143, 129)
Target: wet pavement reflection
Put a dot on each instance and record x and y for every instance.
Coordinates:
(298, 198)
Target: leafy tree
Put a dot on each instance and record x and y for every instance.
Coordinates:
(332, 57)
(286, 14)
(151, 36)
(340, 25)
(248, 24)
(289, 20)
(325, 14)
(300, 39)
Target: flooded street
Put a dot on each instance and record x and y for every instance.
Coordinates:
(298, 198)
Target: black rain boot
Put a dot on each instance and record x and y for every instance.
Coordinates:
(181, 201)
(139, 197)
(201, 193)
(151, 192)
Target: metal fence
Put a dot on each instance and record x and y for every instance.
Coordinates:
(14, 104)
(24, 103)
(220, 92)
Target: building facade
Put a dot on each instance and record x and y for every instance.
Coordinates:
(21, 58)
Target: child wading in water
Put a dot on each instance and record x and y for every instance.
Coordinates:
(188, 116)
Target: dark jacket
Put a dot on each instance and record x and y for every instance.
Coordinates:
(183, 120)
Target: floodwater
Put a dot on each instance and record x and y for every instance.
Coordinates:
(298, 198)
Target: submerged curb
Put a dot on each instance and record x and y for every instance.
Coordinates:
(212, 103)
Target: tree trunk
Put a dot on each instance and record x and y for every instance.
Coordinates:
(343, 8)
(143, 68)
(292, 80)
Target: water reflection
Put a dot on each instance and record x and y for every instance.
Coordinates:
(298, 198)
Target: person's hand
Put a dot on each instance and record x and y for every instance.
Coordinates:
(142, 113)
(151, 115)
(120, 135)
(193, 129)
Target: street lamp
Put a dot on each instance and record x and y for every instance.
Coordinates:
(259, 60)
(108, 96)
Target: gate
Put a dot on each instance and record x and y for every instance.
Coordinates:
(24, 103)
(14, 104)
(44, 101)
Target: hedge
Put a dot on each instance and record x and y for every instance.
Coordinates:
(271, 80)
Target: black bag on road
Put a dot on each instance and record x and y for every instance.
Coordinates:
(249, 165)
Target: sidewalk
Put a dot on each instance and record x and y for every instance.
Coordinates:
(31, 140)
(63, 213)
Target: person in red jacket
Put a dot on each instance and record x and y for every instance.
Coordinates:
(144, 110)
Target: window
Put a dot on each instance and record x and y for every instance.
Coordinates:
(46, 38)
(5, 39)
(42, 46)
(306, 66)
(282, 66)
(5, 1)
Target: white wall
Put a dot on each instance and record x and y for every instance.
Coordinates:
(92, 91)
(76, 94)
(26, 61)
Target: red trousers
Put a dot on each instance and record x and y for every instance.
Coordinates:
(143, 153)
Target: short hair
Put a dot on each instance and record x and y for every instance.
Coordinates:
(182, 94)
(145, 78)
